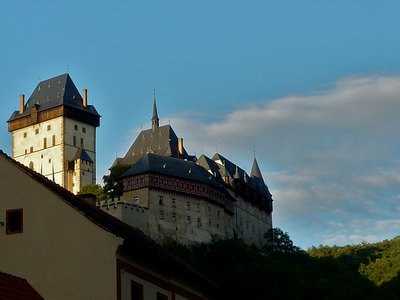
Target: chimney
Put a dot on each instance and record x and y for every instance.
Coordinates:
(21, 103)
(180, 146)
(84, 97)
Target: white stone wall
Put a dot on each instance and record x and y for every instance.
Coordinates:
(80, 135)
(47, 146)
(45, 157)
(251, 222)
(166, 216)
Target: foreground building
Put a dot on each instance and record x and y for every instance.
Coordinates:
(54, 133)
(66, 248)
(173, 196)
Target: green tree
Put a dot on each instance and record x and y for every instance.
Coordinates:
(113, 185)
(279, 241)
(94, 189)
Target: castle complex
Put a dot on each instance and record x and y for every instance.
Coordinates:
(173, 196)
(168, 194)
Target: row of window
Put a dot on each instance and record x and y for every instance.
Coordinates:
(77, 128)
(74, 141)
(173, 203)
(49, 128)
(173, 218)
(45, 144)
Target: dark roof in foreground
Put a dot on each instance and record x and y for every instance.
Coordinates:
(12, 287)
(53, 92)
(138, 243)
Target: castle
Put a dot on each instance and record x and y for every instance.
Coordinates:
(54, 133)
(173, 196)
(168, 194)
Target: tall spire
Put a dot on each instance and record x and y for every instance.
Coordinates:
(155, 120)
(255, 170)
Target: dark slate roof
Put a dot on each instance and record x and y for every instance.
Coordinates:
(255, 181)
(174, 167)
(208, 164)
(54, 92)
(155, 120)
(82, 154)
(160, 140)
(230, 167)
(140, 245)
(12, 287)
(255, 170)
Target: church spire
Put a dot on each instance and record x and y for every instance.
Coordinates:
(155, 120)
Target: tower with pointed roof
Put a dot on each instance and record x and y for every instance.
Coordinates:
(155, 120)
(158, 139)
(54, 133)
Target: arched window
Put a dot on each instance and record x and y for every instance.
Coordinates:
(31, 166)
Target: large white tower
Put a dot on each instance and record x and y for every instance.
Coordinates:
(54, 133)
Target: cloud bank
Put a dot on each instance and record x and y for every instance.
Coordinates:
(331, 159)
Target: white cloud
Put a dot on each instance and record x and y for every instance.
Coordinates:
(329, 155)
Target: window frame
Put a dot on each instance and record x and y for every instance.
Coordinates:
(8, 221)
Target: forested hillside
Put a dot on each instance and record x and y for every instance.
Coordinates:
(282, 271)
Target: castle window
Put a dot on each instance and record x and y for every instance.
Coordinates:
(25, 134)
(161, 215)
(161, 296)
(173, 203)
(14, 221)
(81, 142)
(31, 149)
(48, 127)
(45, 143)
(188, 205)
(173, 215)
(37, 131)
(189, 219)
(74, 140)
(53, 140)
(136, 200)
(83, 129)
(136, 291)
(198, 222)
(76, 127)
(160, 200)
(198, 206)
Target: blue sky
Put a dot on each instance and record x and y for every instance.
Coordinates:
(312, 86)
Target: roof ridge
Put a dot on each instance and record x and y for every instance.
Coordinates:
(11, 275)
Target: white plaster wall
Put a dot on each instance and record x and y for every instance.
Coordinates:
(61, 253)
(44, 160)
(79, 130)
(28, 147)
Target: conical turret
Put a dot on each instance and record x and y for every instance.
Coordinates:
(255, 170)
(155, 120)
